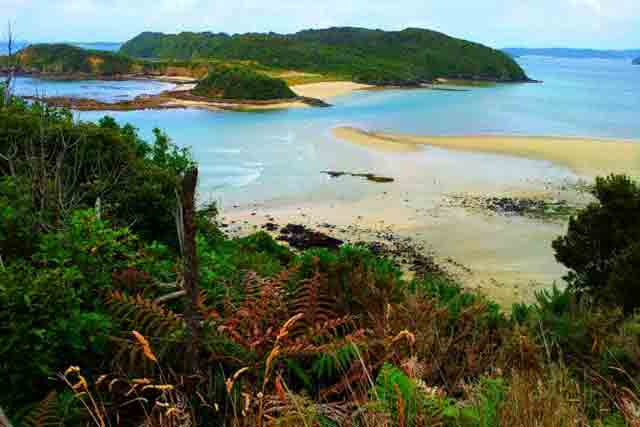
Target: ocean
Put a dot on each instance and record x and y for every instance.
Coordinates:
(276, 155)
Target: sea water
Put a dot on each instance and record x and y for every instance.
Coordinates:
(275, 155)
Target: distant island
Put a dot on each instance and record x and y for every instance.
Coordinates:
(636, 61)
(64, 60)
(409, 57)
(574, 53)
(263, 68)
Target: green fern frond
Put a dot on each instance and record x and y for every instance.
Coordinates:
(329, 365)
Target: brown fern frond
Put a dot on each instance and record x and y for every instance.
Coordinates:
(44, 414)
(256, 323)
(206, 312)
(144, 315)
(316, 302)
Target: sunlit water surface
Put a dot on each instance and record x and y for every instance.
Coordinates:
(280, 155)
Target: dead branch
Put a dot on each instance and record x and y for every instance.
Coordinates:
(190, 257)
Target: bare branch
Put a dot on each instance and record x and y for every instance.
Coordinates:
(9, 79)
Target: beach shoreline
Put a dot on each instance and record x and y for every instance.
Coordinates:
(309, 95)
(506, 255)
(588, 157)
(328, 90)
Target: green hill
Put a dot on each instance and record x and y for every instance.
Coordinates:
(67, 59)
(371, 56)
(242, 83)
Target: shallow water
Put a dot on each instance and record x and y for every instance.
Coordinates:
(277, 155)
(101, 90)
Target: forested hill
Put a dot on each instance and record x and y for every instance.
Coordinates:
(67, 59)
(371, 56)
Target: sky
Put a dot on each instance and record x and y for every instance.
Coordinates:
(600, 24)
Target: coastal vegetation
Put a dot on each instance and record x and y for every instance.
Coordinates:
(64, 59)
(121, 305)
(242, 83)
(410, 56)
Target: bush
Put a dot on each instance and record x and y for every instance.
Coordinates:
(104, 160)
(46, 325)
(598, 243)
(243, 84)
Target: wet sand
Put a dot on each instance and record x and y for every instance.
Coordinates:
(508, 258)
(588, 157)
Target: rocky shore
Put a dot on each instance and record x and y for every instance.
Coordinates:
(175, 99)
(532, 207)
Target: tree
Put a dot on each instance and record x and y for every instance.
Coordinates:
(599, 241)
(10, 67)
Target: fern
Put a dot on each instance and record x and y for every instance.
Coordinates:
(314, 300)
(162, 326)
(329, 365)
(398, 394)
(144, 315)
(45, 413)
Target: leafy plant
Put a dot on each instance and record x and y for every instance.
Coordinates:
(598, 236)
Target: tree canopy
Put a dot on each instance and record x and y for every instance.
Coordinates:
(64, 58)
(371, 56)
(242, 83)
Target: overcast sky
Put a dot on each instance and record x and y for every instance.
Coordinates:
(611, 24)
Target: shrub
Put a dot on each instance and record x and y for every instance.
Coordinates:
(45, 325)
(598, 236)
(243, 84)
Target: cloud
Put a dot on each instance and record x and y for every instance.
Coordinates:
(593, 23)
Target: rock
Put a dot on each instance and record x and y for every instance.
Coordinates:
(368, 176)
(300, 237)
(270, 226)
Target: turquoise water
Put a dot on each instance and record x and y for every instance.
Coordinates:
(279, 155)
(105, 91)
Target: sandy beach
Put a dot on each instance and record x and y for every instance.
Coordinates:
(588, 157)
(508, 257)
(327, 90)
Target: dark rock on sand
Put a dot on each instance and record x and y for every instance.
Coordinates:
(300, 237)
(368, 176)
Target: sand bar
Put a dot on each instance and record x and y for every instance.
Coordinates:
(584, 156)
(327, 90)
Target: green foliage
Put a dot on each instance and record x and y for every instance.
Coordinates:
(484, 411)
(395, 391)
(242, 83)
(598, 245)
(225, 262)
(46, 324)
(331, 365)
(362, 281)
(90, 247)
(84, 162)
(17, 220)
(371, 56)
(63, 58)
(454, 297)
